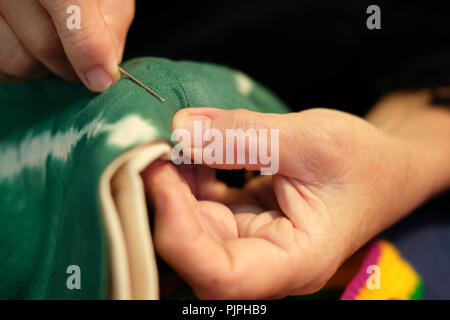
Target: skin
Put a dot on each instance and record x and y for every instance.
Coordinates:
(342, 180)
(38, 40)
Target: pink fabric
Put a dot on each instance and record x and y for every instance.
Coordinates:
(359, 281)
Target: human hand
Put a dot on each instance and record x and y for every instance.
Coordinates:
(340, 182)
(35, 39)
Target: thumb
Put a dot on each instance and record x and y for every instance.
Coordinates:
(235, 139)
(91, 49)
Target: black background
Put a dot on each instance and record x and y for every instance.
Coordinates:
(285, 309)
(311, 53)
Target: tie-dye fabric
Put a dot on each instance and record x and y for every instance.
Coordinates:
(57, 138)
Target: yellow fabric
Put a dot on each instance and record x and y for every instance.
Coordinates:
(398, 278)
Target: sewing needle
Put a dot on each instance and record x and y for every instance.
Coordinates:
(142, 85)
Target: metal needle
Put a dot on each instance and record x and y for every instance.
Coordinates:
(142, 85)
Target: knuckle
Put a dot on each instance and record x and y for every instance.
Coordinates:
(240, 117)
(328, 126)
(284, 226)
(254, 225)
(246, 119)
(81, 38)
(87, 42)
(327, 140)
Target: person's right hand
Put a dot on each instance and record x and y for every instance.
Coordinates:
(35, 39)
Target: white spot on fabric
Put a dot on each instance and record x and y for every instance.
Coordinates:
(244, 83)
(130, 130)
(34, 149)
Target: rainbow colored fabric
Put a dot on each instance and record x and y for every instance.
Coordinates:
(384, 275)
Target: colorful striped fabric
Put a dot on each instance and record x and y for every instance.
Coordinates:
(384, 275)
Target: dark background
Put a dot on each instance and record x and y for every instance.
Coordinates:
(320, 54)
(311, 53)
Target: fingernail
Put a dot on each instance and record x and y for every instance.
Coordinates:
(192, 122)
(99, 80)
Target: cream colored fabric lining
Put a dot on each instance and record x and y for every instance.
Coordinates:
(133, 271)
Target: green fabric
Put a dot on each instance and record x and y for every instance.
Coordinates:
(56, 139)
(418, 294)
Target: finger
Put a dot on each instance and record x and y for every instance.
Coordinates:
(179, 238)
(256, 196)
(243, 268)
(34, 27)
(250, 140)
(204, 186)
(261, 188)
(206, 179)
(187, 171)
(91, 49)
(272, 245)
(260, 269)
(249, 223)
(220, 222)
(199, 178)
(118, 20)
(238, 200)
(15, 60)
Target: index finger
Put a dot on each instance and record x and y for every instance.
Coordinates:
(91, 48)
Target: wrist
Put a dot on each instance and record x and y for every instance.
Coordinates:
(392, 184)
(423, 129)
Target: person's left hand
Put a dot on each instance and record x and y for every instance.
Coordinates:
(216, 232)
(340, 182)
